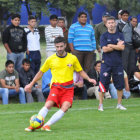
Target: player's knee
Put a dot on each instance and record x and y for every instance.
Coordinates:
(65, 107)
(49, 104)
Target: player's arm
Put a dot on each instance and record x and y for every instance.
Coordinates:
(120, 46)
(85, 76)
(36, 78)
(107, 49)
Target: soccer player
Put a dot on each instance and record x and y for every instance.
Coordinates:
(62, 66)
(112, 43)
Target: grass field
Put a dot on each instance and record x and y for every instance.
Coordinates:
(81, 122)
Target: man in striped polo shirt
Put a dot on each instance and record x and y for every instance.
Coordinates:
(51, 32)
(82, 41)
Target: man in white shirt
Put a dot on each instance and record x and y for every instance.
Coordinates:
(33, 44)
(51, 32)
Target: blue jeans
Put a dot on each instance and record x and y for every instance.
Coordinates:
(4, 94)
(113, 92)
(21, 93)
(16, 58)
(46, 91)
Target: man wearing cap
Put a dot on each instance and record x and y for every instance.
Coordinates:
(100, 29)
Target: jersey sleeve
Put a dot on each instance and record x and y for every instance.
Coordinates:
(46, 66)
(77, 66)
(103, 41)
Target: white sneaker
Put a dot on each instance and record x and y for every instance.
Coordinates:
(100, 108)
(121, 107)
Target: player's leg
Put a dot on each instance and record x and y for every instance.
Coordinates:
(105, 76)
(65, 100)
(43, 112)
(57, 116)
(118, 79)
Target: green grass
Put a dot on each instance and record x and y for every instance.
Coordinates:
(81, 122)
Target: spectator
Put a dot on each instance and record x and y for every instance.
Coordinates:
(112, 43)
(26, 75)
(82, 41)
(61, 23)
(79, 86)
(15, 41)
(126, 90)
(128, 54)
(119, 16)
(9, 80)
(135, 80)
(95, 74)
(46, 81)
(51, 32)
(134, 22)
(99, 30)
(33, 44)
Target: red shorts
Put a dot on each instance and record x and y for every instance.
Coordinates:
(60, 93)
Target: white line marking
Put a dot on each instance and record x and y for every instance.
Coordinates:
(78, 109)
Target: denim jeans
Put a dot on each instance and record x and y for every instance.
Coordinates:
(113, 92)
(46, 91)
(21, 93)
(16, 58)
(4, 94)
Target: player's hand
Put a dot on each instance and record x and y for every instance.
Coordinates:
(92, 81)
(28, 88)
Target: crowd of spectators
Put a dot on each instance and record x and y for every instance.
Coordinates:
(82, 41)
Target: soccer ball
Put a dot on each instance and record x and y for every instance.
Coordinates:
(36, 121)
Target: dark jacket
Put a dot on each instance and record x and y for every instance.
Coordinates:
(25, 77)
(16, 38)
(94, 75)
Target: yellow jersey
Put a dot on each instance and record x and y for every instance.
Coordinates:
(62, 68)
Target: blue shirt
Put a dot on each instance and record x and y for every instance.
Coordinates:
(83, 38)
(46, 79)
(113, 58)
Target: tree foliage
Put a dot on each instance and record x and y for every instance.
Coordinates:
(69, 7)
(37, 7)
(133, 6)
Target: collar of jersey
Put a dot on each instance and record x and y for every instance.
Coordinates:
(62, 56)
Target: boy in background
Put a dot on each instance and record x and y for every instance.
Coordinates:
(33, 44)
(26, 75)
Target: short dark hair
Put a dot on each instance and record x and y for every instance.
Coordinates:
(8, 62)
(124, 12)
(26, 60)
(31, 17)
(97, 62)
(53, 17)
(59, 39)
(133, 17)
(15, 16)
(61, 18)
(110, 18)
(82, 13)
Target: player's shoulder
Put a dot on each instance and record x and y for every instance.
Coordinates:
(105, 34)
(71, 56)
